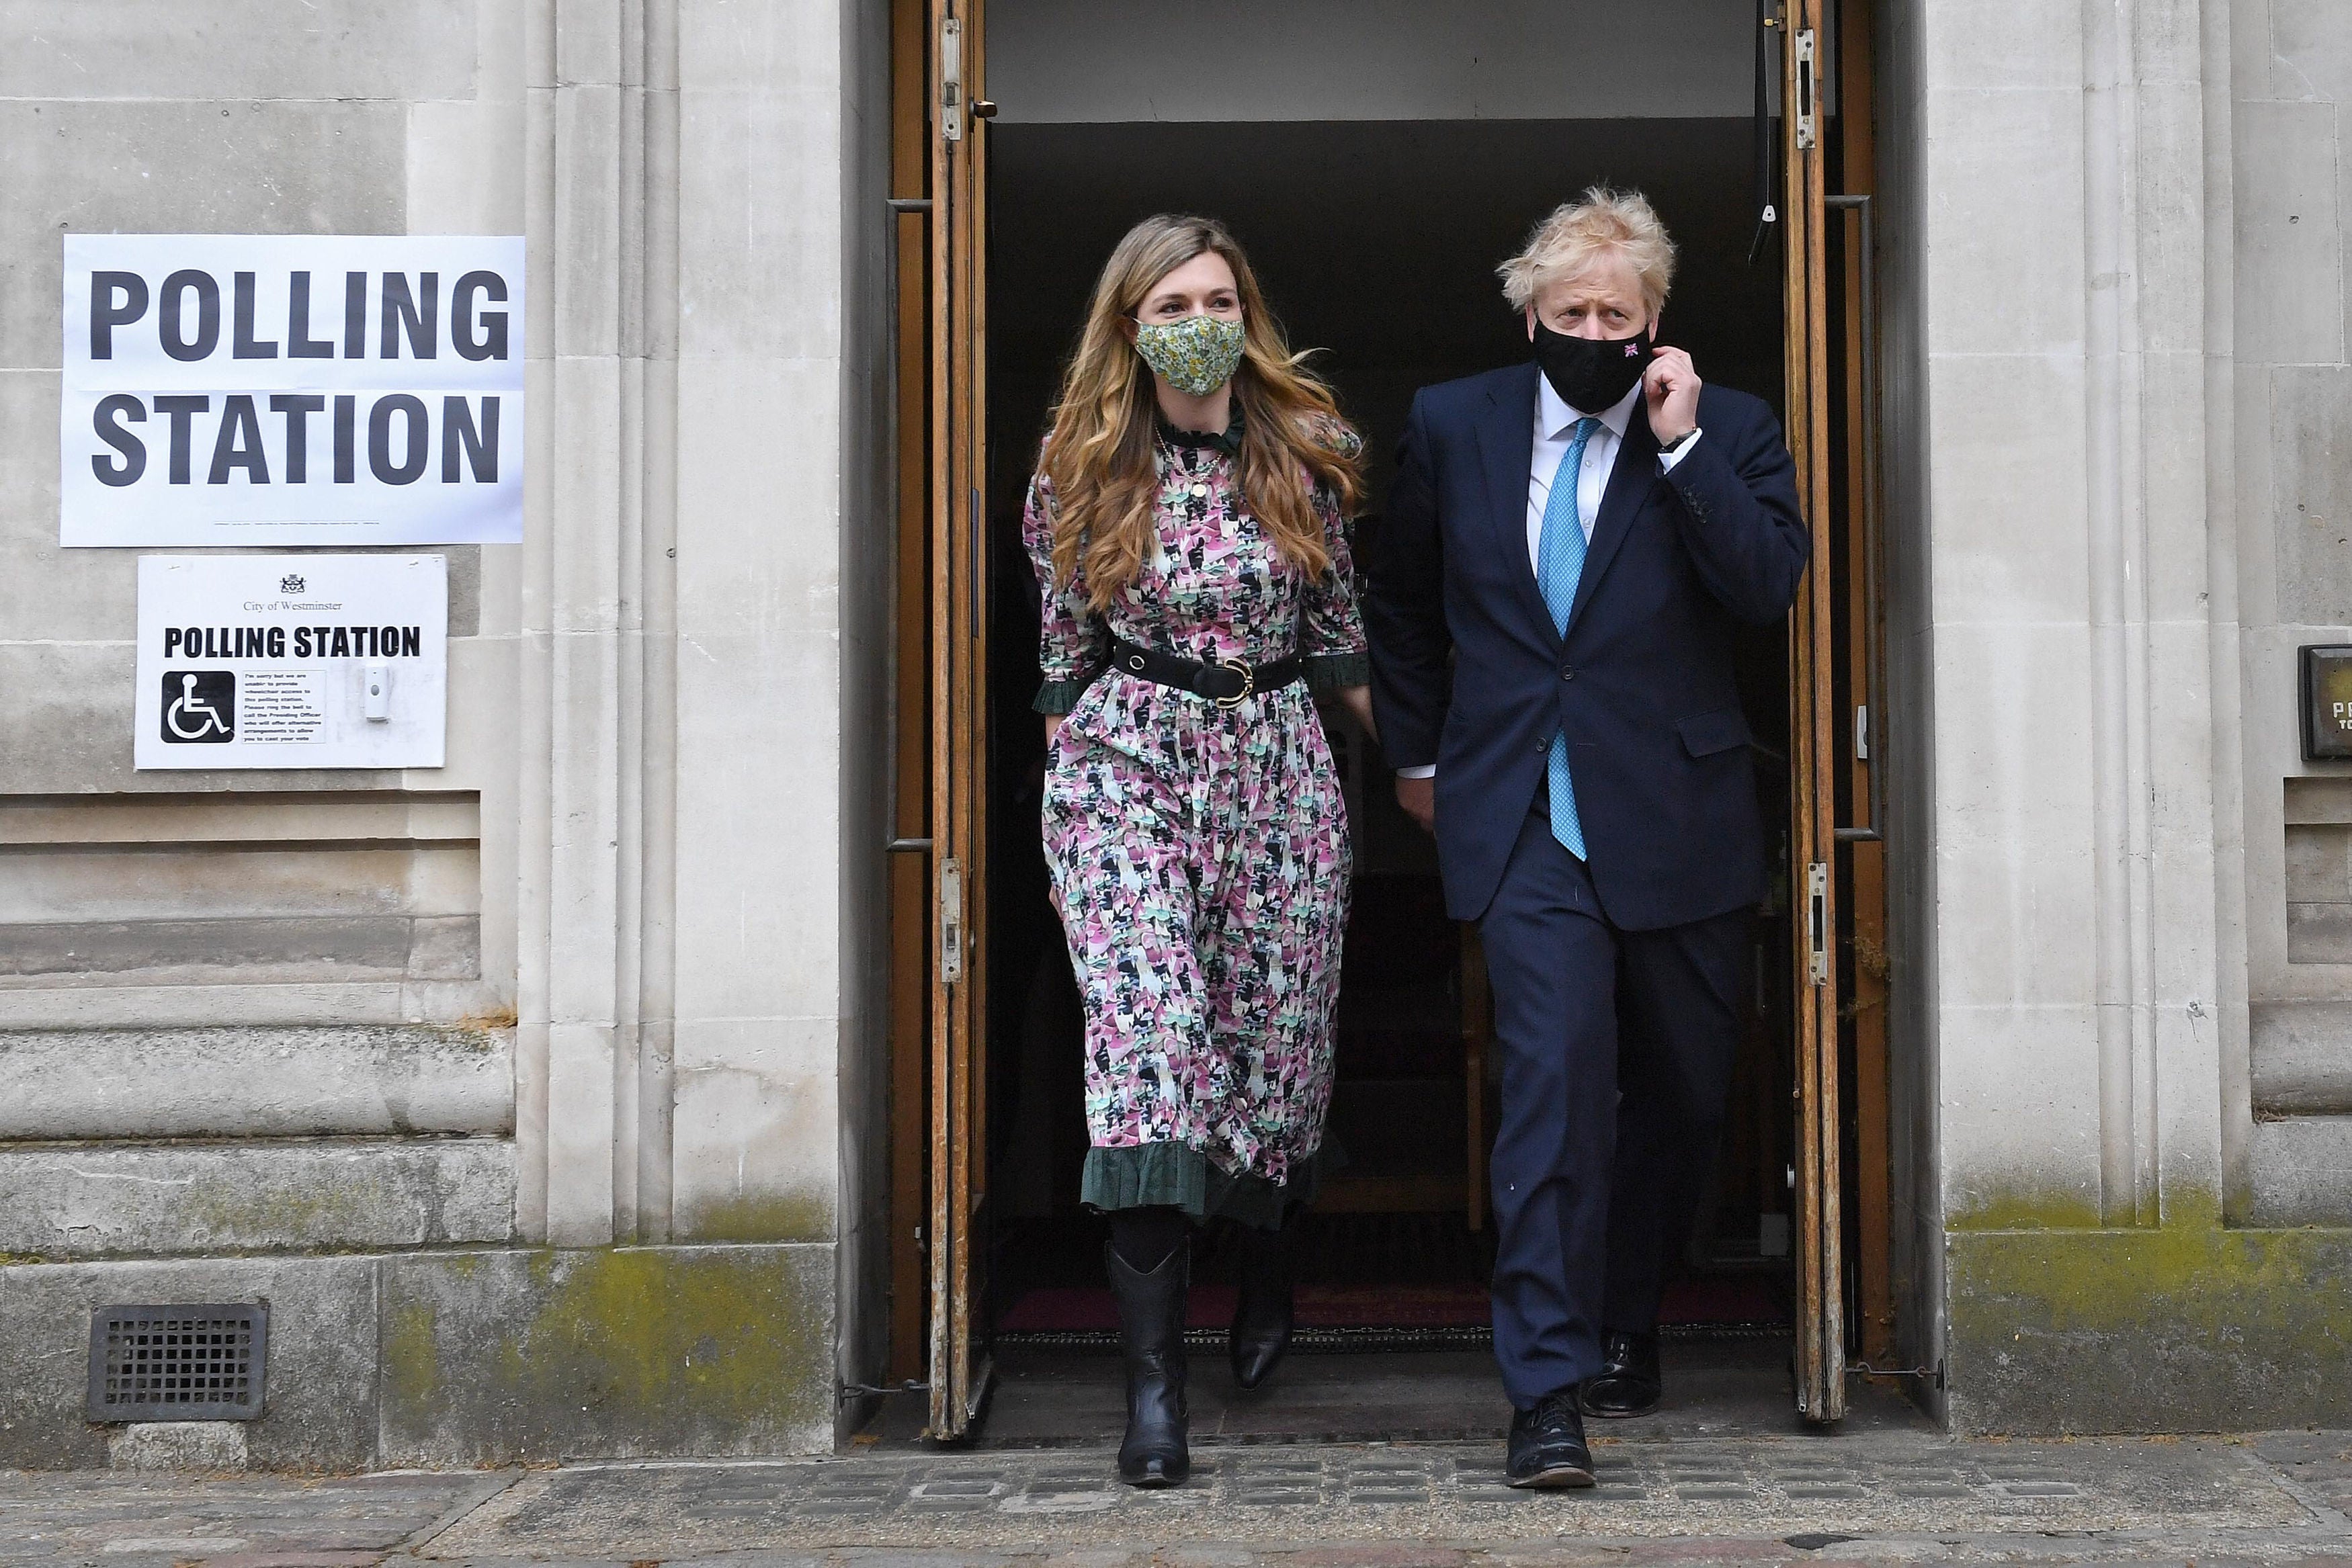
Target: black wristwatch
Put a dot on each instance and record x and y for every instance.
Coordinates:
(1678, 442)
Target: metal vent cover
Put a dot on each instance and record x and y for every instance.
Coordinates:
(183, 1362)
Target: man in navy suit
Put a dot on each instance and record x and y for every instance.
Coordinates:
(1584, 535)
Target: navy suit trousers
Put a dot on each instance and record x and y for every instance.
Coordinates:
(1616, 1049)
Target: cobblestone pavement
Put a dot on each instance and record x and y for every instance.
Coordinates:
(1906, 1496)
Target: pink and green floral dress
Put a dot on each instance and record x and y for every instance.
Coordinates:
(1199, 855)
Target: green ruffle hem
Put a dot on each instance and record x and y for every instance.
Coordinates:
(1059, 696)
(1329, 673)
(1180, 1176)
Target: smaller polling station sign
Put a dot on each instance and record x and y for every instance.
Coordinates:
(269, 389)
(311, 661)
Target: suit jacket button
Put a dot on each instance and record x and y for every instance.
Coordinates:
(1567, 673)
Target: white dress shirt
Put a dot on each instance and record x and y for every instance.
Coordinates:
(1555, 431)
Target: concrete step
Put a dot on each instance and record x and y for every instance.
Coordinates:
(2303, 1171)
(69, 1201)
(254, 1082)
(2303, 1058)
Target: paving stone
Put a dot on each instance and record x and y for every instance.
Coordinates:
(309, 1559)
(1906, 1497)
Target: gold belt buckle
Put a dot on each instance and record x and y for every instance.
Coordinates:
(1249, 683)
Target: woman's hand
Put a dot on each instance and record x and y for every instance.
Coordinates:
(1054, 725)
(1358, 700)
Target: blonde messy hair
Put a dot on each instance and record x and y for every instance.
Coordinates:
(1577, 232)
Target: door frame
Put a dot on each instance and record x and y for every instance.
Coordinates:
(1812, 745)
(938, 904)
(1863, 838)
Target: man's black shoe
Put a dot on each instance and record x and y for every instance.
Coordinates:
(1629, 1383)
(1548, 1445)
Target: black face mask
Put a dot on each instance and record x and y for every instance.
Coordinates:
(1591, 373)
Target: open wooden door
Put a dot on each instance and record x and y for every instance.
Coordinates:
(1813, 754)
(1863, 892)
(959, 1370)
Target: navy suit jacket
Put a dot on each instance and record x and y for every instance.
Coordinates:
(1643, 682)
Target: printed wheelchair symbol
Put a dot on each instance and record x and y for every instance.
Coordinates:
(199, 706)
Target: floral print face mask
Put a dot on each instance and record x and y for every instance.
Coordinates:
(1196, 356)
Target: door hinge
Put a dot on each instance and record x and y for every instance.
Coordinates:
(1817, 921)
(951, 79)
(1807, 123)
(951, 922)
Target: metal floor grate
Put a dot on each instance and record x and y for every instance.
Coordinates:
(178, 1363)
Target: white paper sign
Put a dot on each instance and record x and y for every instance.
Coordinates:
(291, 390)
(283, 661)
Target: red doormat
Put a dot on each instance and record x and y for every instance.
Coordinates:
(1708, 1300)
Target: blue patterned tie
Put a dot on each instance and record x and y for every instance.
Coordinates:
(1560, 556)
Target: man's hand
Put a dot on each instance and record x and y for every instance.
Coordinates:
(1418, 799)
(1671, 387)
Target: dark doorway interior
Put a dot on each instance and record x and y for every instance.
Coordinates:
(1376, 242)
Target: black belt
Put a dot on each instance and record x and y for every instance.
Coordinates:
(1229, 682)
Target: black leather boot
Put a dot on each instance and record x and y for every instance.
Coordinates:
(1262, 1306)
(1152, 1333)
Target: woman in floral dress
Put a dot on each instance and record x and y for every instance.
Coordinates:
(1186, 526)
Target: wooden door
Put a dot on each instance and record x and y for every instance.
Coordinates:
(959, 1370)
(1814, 753)
(1866, 740)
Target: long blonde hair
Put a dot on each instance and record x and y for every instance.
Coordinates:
(1099, 455)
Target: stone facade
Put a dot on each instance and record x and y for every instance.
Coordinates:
(543, 1093)
(533, 1091)
(2124, 368)
(2292, 409)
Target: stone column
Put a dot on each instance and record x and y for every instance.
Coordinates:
(2073, 819)
(582, 70)
(762, 446)
(684, 685)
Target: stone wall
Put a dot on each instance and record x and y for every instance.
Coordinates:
(2130, 260)
(538, 1073)
(2292, 77)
